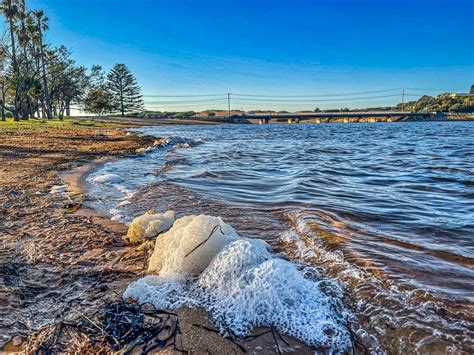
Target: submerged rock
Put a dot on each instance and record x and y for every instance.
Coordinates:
(149, 225)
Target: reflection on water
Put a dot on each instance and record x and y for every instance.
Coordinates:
(386, 208)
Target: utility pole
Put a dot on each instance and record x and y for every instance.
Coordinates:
(228, 104)
(403, 99)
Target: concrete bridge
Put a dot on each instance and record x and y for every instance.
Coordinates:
(346, 117)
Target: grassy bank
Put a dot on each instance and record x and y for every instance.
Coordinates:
(69, 122)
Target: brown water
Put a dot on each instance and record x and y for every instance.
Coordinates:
(388, 209)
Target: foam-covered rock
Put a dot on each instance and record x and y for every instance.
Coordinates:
(170, 256)
(149, 225)
(241, 284)
(144, 150)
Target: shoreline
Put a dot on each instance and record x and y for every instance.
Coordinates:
(196, 325)
(52, 257)
(370, 278)
(87, 254)
(75, 179)
(65, 260)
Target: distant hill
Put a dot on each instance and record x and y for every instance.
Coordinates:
(462, 103)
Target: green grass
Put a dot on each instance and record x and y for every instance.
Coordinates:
(69, 122)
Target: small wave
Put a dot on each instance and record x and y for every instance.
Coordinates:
(177, 141)
(388, 315)
(169, 165)
(209, 174)
(172, 141)
(107, 179)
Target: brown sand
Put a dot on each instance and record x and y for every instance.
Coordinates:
(50, 257)
(59, 262)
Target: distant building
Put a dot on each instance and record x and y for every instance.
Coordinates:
(472, 90)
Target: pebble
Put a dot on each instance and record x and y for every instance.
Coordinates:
(17, 340)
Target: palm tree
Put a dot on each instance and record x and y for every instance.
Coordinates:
(10, 8)
(41, 24)
(26, 82)
(23, 33)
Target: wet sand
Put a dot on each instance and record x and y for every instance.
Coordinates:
(51, 257)
(61, 262)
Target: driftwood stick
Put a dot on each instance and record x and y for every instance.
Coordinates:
(97, 326)
(205, 240)
(276, 340)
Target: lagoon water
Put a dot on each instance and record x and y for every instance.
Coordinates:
(386, 209)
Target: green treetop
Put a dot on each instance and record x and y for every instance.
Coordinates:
(125, 90)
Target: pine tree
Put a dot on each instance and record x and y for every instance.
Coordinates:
(124, 87)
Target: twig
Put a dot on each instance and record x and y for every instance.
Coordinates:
(205, 240)
(98, 327)
(248, 337)
(276, 340)
(282, 339)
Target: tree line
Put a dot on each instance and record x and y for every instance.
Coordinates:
(447, 102)
(41, 80)
(442, 103)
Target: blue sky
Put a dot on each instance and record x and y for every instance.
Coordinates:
(273, 47)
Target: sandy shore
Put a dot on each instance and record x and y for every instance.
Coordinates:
(60, 262)
(51, 257)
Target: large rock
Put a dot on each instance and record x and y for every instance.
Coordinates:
(188, 247)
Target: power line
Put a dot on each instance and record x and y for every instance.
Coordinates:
(192, 95)
(425, 89)
(185, 101)
(245, 102)
(187, 105)
(224, 101)
(322, 95)
(257, 95)
(236, 95)
(320, 100)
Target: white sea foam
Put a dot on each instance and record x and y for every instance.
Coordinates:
(107, 179)
(241, 284)
(114, 184)
(124, 203)
(177, 141)
(144, 150)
